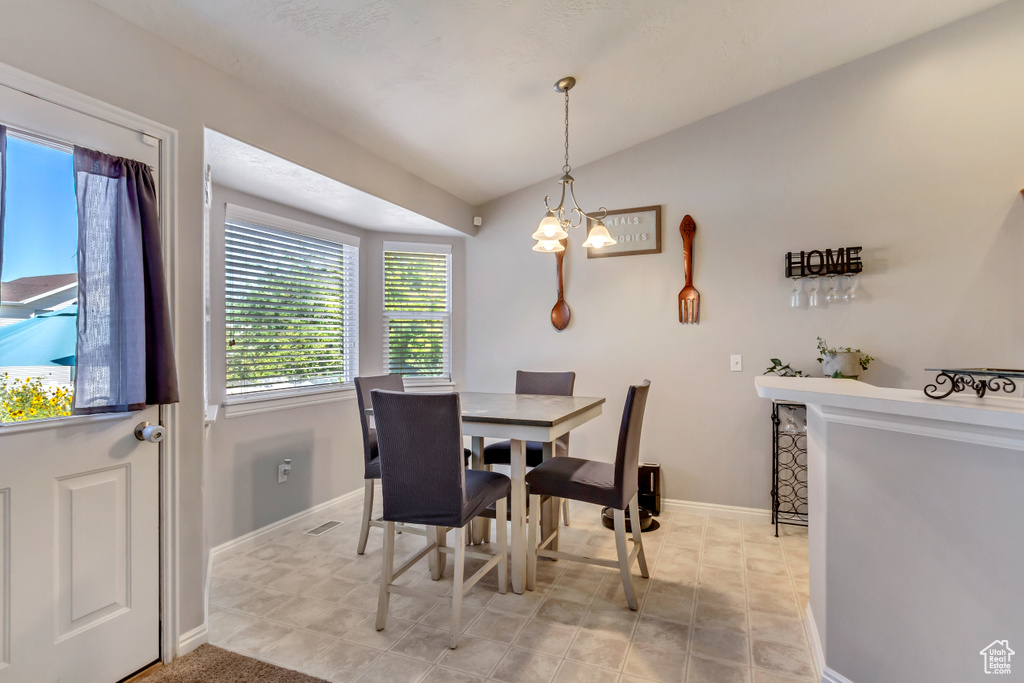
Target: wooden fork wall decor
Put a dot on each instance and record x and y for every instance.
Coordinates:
(689, 297)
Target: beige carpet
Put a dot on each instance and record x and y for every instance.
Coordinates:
(209, 664)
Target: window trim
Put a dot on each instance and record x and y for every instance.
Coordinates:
(444, 380)
(239, 404)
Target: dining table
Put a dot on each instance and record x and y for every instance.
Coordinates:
(521, 418)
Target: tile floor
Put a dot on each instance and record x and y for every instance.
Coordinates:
(725, 602)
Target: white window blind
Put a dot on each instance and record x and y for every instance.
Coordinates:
(417, 310)
(291, 306)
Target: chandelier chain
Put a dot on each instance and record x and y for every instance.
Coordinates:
(567, 167)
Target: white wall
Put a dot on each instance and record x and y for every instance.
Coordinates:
(914, 153)
(323, 441)
(78, 45)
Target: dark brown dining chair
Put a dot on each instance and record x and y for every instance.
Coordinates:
(604, 484)
(424, 481)
(547, 384)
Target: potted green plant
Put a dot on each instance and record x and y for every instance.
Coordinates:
(777, 368)
(842, 361)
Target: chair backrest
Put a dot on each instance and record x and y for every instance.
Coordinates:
(364, 385)
(627, 456)
(548, 384)
(422, 466)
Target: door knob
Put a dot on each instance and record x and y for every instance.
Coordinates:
(151, 433)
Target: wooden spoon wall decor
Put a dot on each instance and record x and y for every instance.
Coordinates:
(560, 314)
(689, 297)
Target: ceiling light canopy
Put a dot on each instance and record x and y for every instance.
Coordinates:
(557, 221)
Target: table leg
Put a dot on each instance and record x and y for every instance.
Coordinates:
(480, 524)
(518, 453)
(550, 508)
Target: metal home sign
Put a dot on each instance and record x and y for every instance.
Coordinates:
(636, 231)
(841, 261)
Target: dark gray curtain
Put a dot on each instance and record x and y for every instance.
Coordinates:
(125, 355)
(3, 191)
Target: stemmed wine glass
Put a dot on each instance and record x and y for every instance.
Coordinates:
(832, 296)
(798, 299)
(850, 292)
(816, 298)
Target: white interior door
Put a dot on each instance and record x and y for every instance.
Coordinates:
(79, 503)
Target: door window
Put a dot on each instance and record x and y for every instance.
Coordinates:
(39, 287)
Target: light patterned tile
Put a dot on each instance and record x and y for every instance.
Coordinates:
(439, 674)
(226, 592)
(342, 662)
(474, 656)
(577, 672)
(525, 666)
(780, 603)
(617, 623)
(497, 626)
(654, 664)
(725, 644)
(299, 611)
(226, 623)
(669, 607)
(261, 601)
(711, 615)
(701, 670)
(337, 621)
(366, 633)
(563, 612)
(391, 668)
(598, 649)
(299, 648)
(776, 627)
(663, 635)
(545, 637)
(297, 581)
(422, 642)
(256, 639)
(782, 658)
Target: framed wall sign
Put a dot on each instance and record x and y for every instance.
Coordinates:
(636, 231)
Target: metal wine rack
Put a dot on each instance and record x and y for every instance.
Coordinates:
(789, 464)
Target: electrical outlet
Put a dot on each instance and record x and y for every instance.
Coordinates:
(736, 363)
(283, 470)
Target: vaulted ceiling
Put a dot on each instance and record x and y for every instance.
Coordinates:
(460, 93)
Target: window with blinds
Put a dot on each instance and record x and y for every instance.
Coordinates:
(417, 310)
(291, 304)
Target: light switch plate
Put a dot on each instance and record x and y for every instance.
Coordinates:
(736, 363)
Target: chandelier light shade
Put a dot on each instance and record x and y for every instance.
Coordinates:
(557, 221)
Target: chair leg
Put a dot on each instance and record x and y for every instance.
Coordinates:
(565, 510)
(531, 542)
(485, 536)
(364, 530)
(638, 541)
(623, 552)
(437, 558)
(388, 562)
(501, 527)
(460, 572)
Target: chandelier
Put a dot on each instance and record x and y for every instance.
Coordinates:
(556, 223)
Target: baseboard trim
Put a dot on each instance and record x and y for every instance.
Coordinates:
(251, 538)
(821, 672)
(192, 639)
(731, 511)
(817, 652)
